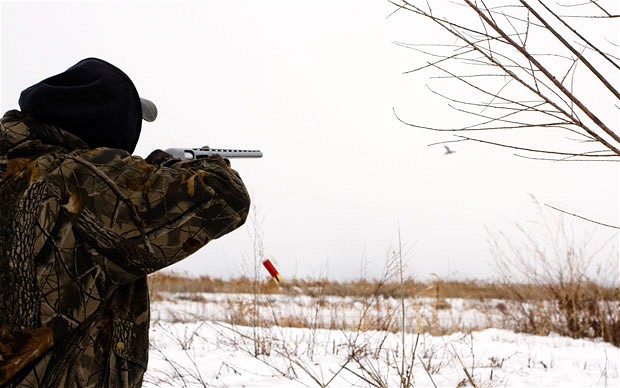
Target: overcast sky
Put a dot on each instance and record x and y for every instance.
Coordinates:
(313, 85)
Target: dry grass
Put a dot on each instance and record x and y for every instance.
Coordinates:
(439, 289)
(576, 310)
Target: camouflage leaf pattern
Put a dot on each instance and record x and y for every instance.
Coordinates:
(80, 229)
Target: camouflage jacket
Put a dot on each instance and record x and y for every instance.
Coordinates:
(80, 229)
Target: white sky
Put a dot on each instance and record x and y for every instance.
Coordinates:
(312, 84)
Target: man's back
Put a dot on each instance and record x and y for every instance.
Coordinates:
(80, 229)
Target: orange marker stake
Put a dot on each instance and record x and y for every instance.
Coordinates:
(272, 271)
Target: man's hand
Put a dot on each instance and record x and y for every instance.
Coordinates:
(215, 158)
(161, 158)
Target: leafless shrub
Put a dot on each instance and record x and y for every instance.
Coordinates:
(563, 290)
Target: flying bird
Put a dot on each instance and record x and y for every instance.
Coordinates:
(448, 150)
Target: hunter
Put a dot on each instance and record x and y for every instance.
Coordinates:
(83, 222)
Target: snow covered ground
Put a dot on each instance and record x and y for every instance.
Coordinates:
(193, 344)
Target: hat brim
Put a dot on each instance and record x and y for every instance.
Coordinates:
(149, 110)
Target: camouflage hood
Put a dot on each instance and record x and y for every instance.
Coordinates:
(80, 229)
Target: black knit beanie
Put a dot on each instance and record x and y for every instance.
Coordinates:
(94, 100)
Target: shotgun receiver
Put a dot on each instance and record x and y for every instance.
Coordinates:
(197, 153)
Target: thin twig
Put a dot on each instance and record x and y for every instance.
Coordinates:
(533, 149)
(583, 218)
(469, 377)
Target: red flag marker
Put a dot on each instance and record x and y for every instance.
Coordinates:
(272, 270)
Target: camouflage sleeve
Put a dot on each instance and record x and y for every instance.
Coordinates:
(140, 217)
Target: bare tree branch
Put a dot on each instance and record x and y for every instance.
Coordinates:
(491, 46)
(583, 218)
(568, 159)
(559, 85)
(534, 149)
(558, 18)
(560, 38)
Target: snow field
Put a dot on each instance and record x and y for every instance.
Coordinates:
(195, 342)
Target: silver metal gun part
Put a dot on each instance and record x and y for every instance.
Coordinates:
(197, 153)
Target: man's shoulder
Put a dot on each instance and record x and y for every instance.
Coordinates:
(99, 167)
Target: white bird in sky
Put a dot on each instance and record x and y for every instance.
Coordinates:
(448, 150)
